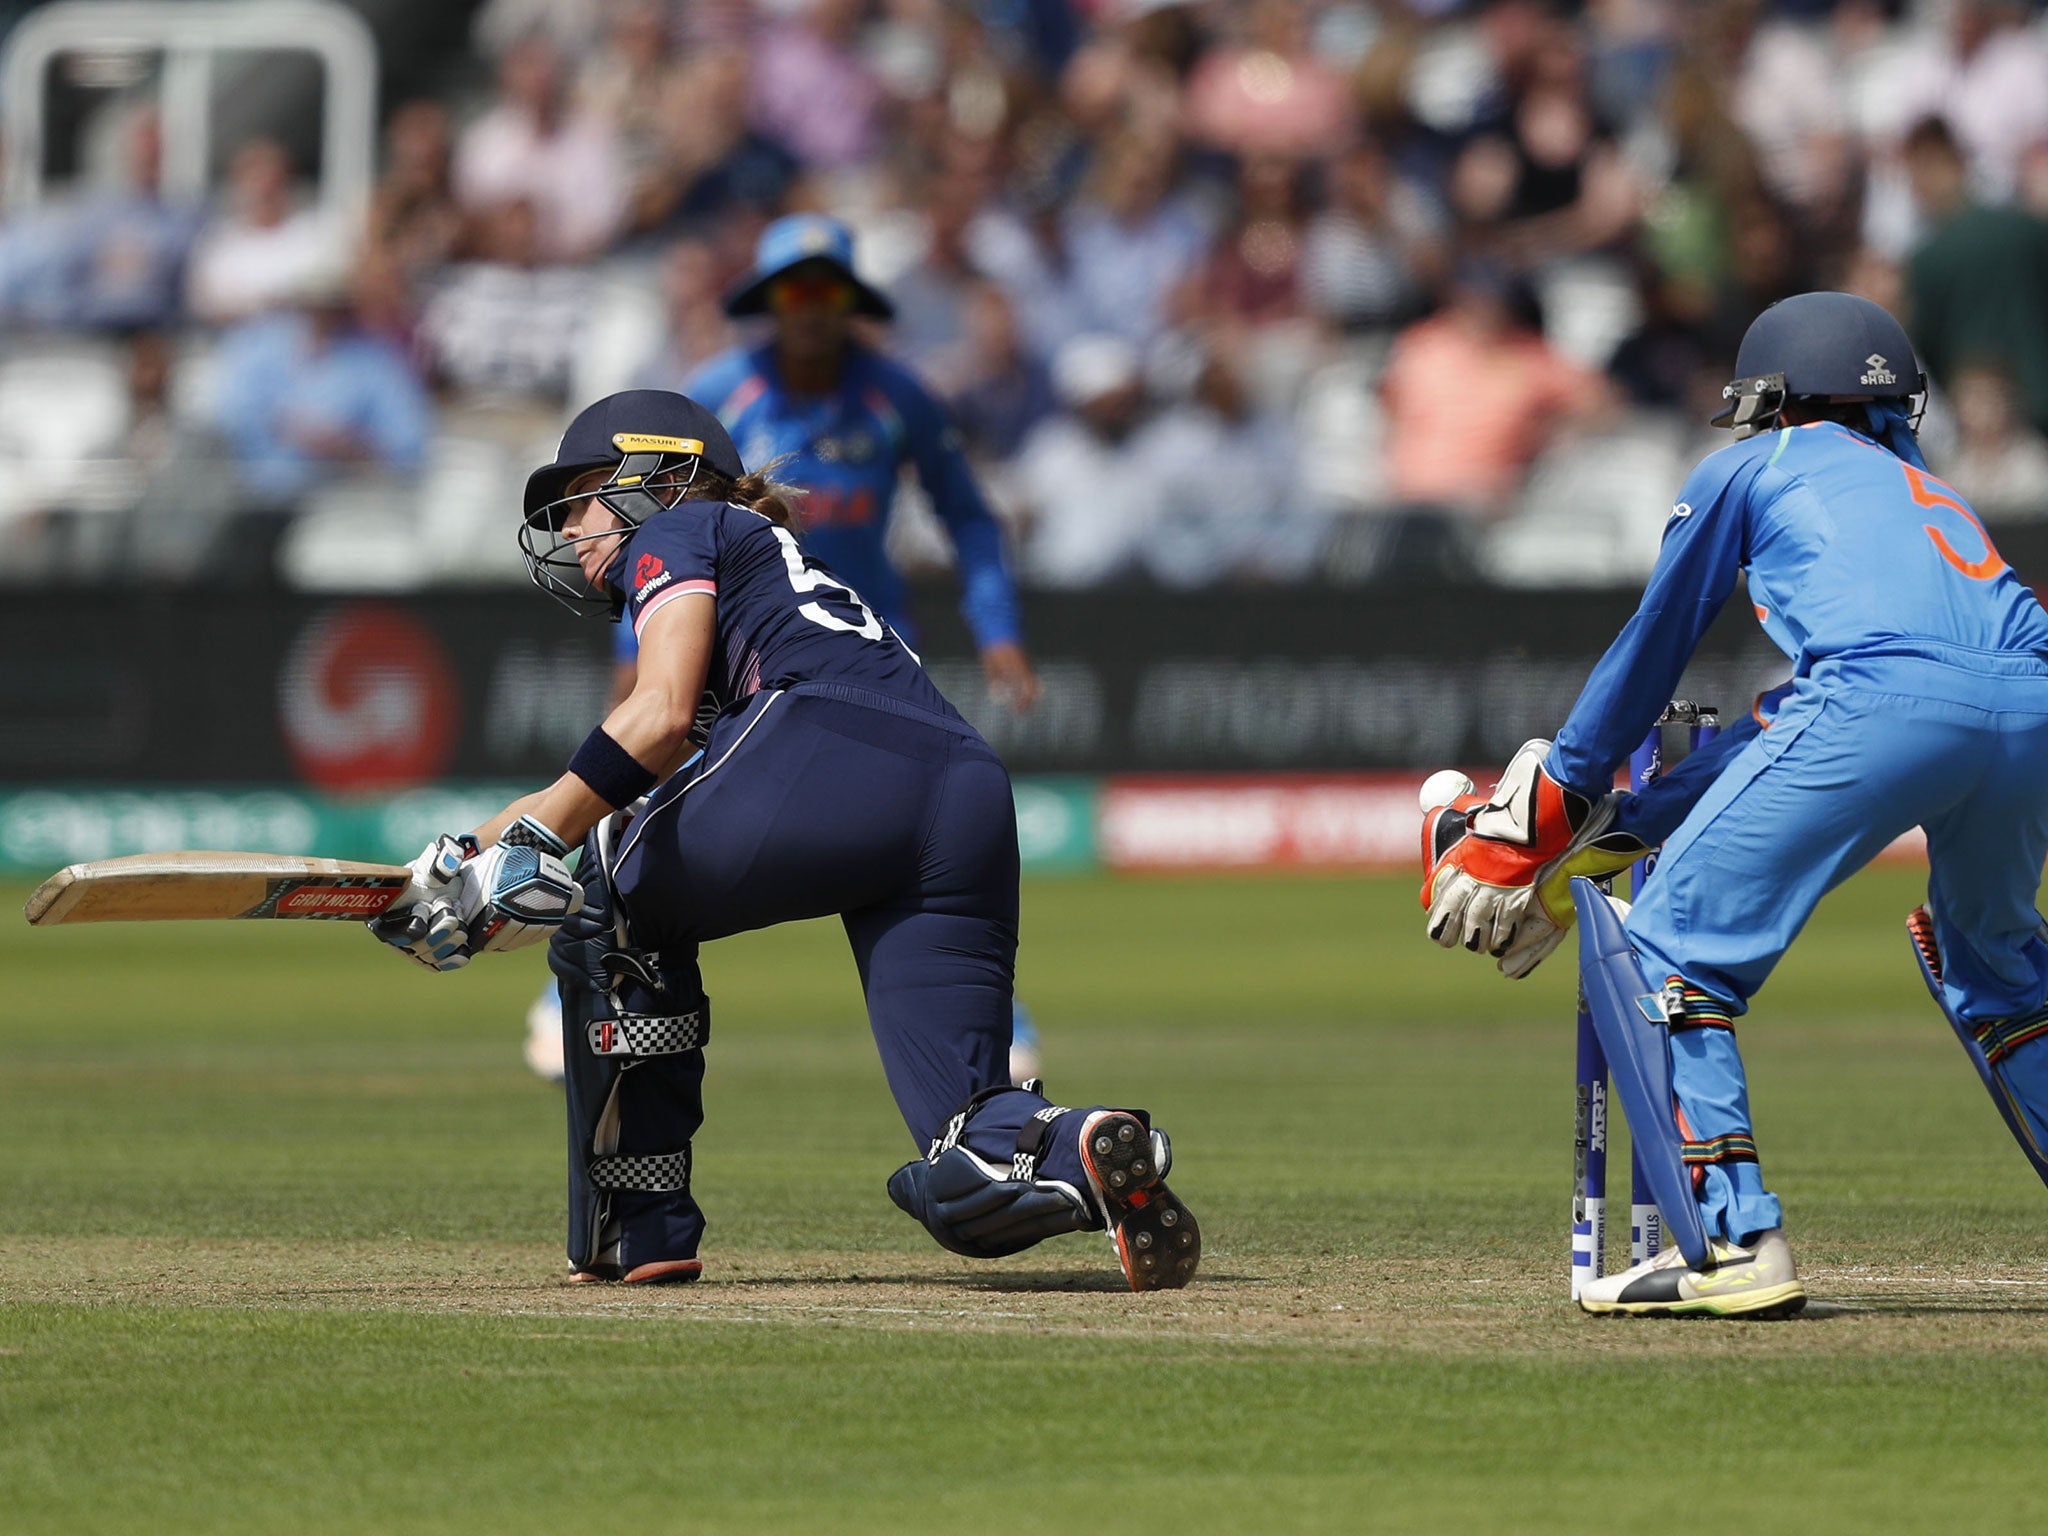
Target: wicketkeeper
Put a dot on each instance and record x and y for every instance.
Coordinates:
(1919, 697)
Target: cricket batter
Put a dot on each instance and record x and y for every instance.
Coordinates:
(835, 780)
(840, 421)
(1919, 698)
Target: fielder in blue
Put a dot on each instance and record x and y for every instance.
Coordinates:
(835, 779)
(840, 420)
(1919, 697)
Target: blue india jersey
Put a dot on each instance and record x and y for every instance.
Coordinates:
(846, 450)
(1849, 551)
(782, 618)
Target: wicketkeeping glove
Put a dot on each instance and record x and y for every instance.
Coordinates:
(1497, 873)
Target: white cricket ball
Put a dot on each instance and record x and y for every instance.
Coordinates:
(1442, 787)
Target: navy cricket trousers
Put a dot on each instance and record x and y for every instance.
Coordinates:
(825, 799)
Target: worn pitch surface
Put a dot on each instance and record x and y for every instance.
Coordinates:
(279, 1248)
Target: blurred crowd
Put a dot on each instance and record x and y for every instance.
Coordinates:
(1230, 290)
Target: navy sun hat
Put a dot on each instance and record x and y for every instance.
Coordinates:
(633, 421)
(802, 239)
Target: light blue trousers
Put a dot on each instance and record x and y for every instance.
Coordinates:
(1864, 750)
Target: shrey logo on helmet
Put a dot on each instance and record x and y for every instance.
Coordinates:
(1879, 371)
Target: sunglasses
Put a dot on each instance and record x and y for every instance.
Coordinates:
(810, 291)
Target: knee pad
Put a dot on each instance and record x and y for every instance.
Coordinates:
(985, 1209)
(634, 1026)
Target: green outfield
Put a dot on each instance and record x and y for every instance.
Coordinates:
(280, 1251)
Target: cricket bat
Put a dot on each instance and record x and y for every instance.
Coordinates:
(154, 887)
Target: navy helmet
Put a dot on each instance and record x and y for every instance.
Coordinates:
(653, 442)
(804, 240)
(1818, 345)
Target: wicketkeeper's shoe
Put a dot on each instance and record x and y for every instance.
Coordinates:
(1759, 1282)
(1157, 1239)
(659, 1272)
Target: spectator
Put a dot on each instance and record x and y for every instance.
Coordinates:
(2000, 464)
(998, 391)
(623, 84)
(115, 258)
(1988, 80)
(812, 91)
(1087, 503)
(1253, 276)
(1659, 365)
(169, 471)
(710, 164)
(503, 329)
(1979, 280)
(499, 26)
(1366, 256)
(698, 330)
(311, 391)
(931, 297)
(533, 147)
(263, 251)
(1226, 486)
(1129, 241)
(1269, 94)
(1472, 395)
(1545, 178)
(1790, 99)
(413, 214)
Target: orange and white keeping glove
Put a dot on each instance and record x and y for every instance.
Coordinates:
(1497, 871)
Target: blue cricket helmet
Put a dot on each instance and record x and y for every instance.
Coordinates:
(650, 440)
(603, 434)
(1817, 344)
(798, 240)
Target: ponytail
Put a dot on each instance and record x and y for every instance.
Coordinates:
(757, 491)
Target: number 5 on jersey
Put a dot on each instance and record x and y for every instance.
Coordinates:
(1930, 492)
(808, 579)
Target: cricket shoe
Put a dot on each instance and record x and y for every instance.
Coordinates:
(1759, 1283)
(658, 1272)
(1157, 1239)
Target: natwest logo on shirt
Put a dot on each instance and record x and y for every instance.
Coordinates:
(649, 567)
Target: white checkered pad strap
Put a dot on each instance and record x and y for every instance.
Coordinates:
(652, 1173)
(1031, 1141)
(648, 1034)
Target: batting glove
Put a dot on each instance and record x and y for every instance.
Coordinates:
(424, 922)
(519, 891)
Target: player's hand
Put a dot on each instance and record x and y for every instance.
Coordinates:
(518, 891)
(1484, 861)
(423, 922)
(1012, 681)
(1597, 853)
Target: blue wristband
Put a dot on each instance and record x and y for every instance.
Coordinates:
(614, 775)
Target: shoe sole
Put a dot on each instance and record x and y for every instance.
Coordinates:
(1773, 1305)
(660, 1272)
(1157, 1239)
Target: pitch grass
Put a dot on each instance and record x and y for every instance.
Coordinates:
(280, 1247)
